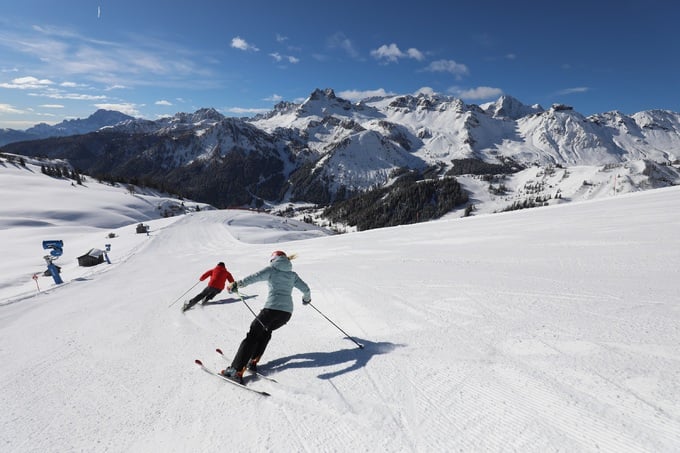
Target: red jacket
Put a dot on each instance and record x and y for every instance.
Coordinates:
(218, 275)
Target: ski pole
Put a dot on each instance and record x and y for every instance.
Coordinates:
(251, 310)
(184, 294)
(361, 346)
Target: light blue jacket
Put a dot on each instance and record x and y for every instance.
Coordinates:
(281, 278)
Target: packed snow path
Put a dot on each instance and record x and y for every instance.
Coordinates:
(552, 329)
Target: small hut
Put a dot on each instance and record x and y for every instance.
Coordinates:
(91, 258)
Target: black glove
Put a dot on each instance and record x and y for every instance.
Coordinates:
(306, 301)
(233, 287)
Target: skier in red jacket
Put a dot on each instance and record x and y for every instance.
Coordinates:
(218, 276)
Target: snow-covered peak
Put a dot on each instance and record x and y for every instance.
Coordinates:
(201, 116)
(510, 108)
(561, 135)
(322, 106)
(425, 102)
(197, 121)
(561, 108)
(322, 103)
(99, 119)
(658, 120)
(281, 108)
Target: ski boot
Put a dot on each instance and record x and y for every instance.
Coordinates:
(187, 305)
(233, 375)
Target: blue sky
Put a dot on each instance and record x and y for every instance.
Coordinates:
(148, 58)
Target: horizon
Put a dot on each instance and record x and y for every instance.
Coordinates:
(150, 60)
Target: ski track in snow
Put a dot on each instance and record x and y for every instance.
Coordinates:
(530, 331)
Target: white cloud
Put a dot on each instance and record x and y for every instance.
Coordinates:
(47, 88)
(391, 53)
(573, 90)
(457, 69)
(274, 98)
(52, 106)
(281, 38)
(340, 41)
(27, 83)
(246, 111)
(357, 95)
(127, 108)
(71, 96)
(415, 54)
(478, 93)
(6, 108)
(242, 44)
(425, 90)
(163, 102)
(135, 60)
(71, 85)
(278, 58)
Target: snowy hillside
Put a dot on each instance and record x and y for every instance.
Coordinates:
(552, 329)
(32, 200)
(545, 186)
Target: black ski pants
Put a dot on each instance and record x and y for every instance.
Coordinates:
(208, 293)
(255, 342)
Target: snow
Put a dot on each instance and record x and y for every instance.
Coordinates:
(548, 329)
(435, 129)
(558, 185)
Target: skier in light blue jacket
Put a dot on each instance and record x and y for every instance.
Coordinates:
(277, 310)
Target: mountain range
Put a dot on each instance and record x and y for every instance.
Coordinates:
(326, 150)
(99, 119)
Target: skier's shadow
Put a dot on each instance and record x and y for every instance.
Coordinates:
(230, 300)
(354, 359)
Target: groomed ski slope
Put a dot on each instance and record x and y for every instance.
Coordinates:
(551, 329)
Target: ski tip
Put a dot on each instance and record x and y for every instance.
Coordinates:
(198, 362)
(219, 351)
